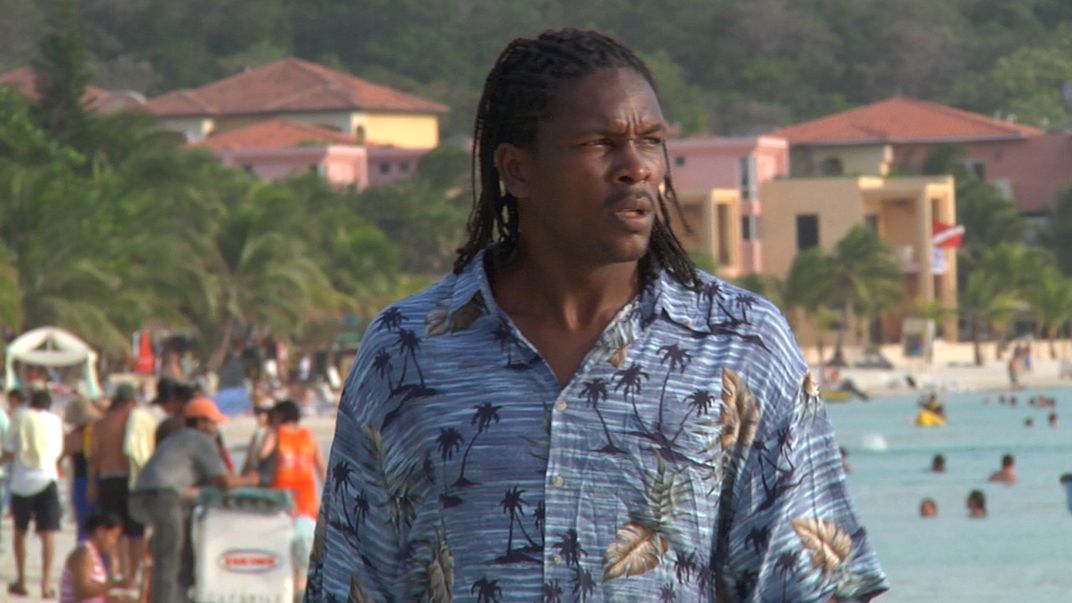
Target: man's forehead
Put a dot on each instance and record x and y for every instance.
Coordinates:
(606, 96)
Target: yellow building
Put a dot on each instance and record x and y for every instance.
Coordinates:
(713, 231)
(303, 92)
(804, 212)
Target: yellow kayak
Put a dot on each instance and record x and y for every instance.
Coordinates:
(928, 418)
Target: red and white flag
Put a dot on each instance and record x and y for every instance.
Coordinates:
(947, 236)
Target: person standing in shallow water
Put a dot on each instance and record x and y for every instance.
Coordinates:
(577, 408)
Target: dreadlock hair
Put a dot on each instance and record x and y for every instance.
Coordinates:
(520, 86)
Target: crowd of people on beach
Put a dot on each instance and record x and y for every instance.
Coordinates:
(134, 469)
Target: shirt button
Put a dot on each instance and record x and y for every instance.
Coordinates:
(559, 481)
(561, 406)
(556, 559)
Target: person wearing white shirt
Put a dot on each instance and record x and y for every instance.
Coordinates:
(34, 444)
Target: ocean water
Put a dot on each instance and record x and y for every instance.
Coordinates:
(1021, 552)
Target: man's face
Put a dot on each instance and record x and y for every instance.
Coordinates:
(588, 186)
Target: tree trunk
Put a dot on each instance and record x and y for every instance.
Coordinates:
(975, 342)
(1051, 334)
(222, 344)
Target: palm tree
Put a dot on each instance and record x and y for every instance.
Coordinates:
(684, 566)
(487, 591)
(552, 592)
(595, 391)
(408, 344)
(630, 381)
(1051, 302)
(584, 585)
(866, 277)
(569, 546)
(448, 442)
(1014, 268)
(513, 504)
(679, 361)
(769, 286)
(667, 594)
(983, 303)
(809, 289)
(482, 418)
(382, 364)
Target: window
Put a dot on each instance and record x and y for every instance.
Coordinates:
(977, 167)
(359, 134)
(248, 167)
(404, 167)
(385, 168)
(746, 165)
(807, 231)
(750, 228)
(831, 166)
(871, 220)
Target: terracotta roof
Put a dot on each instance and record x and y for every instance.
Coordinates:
(276, 134)
(24, 81)
(899, 120)
(288, 85)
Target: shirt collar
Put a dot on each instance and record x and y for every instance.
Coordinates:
(662, 296)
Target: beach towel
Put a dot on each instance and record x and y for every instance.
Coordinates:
(37, 446)
(139, 441)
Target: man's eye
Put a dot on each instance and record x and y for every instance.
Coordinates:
(599, 142)
(654, 140)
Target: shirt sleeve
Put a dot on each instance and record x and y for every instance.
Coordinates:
(791, 530)
(369, 499)
(208, 459)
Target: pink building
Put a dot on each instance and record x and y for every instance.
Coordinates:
(278, 148)
(700, 165)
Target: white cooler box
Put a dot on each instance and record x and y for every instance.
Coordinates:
(242, 549)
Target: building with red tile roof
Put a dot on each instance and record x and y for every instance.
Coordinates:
(305, 92)
(24, 82)
(1026, 163)
(279, 148)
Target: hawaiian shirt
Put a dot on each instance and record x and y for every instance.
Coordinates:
(689, 458)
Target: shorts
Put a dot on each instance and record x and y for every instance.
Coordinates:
(43, 507)
(302, 545)
(114, 498)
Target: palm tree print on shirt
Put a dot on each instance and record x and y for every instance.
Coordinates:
(486, 591)
(449, 441)
(514, 505)
(484, 415)
(595, 391)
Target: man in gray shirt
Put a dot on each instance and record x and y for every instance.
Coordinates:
(169, 481)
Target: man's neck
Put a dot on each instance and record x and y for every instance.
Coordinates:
(562, 308)
(567, 297)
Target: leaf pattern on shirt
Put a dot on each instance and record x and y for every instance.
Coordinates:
(829, 545)
(617, 359)
(637, 549)
(357, 593)
(740, 411)
(812, 398)
(441, 321)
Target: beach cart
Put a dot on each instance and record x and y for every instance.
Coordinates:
(242, 543)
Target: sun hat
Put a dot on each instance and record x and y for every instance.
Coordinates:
(204, 408)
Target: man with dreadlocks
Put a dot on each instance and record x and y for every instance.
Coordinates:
(578, 412)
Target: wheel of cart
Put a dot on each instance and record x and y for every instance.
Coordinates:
(242, 541)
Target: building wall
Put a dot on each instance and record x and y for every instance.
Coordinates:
(713, 219)
(404, 130)
(902, 210)
(835, 160)
(699, 165)
(340, 165)
(193, 129)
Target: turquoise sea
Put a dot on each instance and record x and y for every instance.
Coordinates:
(1021, 552)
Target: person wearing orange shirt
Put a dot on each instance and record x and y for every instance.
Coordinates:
(299, 464)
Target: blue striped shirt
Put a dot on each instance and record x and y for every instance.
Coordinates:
(688, 459)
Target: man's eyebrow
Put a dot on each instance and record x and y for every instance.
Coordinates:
(603, 131)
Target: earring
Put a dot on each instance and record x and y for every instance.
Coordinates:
(502, 189)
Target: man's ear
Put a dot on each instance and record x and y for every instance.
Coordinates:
(512, 162)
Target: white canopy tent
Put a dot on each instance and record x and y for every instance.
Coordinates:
(51, 347)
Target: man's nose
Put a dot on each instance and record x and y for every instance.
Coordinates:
(633, 166)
